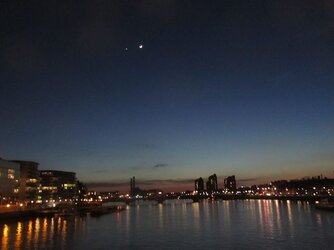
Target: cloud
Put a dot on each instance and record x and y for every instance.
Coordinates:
(161, 165)
(106, 185)
(137, 168)
(248, 180)
(167, 181)
(100, 171)
(141, 183)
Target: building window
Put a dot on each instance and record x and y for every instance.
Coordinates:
(32, 181)
(11, 174)
(49, 188)
(46, 173)
(68, 186)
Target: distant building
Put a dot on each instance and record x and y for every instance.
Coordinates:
(9, 181)
(152, 192)
(199, 184)
(82, 191)
(314, 186)
(230, 183)
(111, 195)
(212, 184)
(58, 186)
(29, 181)
(132, 185)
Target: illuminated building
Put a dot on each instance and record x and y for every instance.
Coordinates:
(230, 183)
(9, 181)
(29, 181)
(110, 195)
(199, 185)
(58, 186)
(211, 184)
(315, 186)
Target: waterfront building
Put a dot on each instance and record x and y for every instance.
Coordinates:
(82, 191)
(230, 183)
(9, 181)
(314, 186)
(111, 195)
(152, 193)
(29, 181)
(132, 185)
(199, 184)
(58, 186)
(212, 184)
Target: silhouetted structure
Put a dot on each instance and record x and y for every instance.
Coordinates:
(211, 184)
(82, 191)
(230, 183)
(29, 181)
(132, 185)
(312, 186)
(199, 185)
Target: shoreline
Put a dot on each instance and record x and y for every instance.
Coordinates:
(43, 213)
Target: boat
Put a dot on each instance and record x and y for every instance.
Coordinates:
(101, 210)
(325, 205)
(67, 212)
(98, 211)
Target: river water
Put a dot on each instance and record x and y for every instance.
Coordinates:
(243, 224)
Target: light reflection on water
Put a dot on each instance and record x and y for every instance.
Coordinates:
(251, 224)
(40, 233)
(18, 235)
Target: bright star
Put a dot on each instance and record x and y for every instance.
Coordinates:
(141, 46)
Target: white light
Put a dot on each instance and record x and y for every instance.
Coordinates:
(141, 46)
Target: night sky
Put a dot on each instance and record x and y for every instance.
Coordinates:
(225, 87)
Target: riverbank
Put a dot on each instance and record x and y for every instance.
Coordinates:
(25, 213)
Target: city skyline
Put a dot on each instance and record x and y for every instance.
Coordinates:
(169, 91)
(212, 182)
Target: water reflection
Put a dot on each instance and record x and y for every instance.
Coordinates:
(4, 240)
(207, 224)
(37, 230)
(39, 233)
(29, 235)
(44, 231)
(18, 235)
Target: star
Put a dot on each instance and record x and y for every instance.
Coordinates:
(141, 46)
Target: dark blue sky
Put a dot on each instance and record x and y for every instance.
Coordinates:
(225, 87)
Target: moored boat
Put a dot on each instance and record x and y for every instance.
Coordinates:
(98, 211)
(325, 205)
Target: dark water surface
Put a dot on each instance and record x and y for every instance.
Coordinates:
(248, 224)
